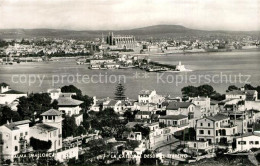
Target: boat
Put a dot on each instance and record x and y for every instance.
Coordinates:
(126, 67)
(179, 68)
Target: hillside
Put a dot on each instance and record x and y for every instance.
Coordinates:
(155, 32)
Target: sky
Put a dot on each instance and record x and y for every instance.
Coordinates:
(238, 15)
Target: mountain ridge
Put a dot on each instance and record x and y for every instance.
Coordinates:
(162, 30)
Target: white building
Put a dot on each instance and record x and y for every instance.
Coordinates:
(49, 129)
(69, 106)
(248, 141)
(8, 95)
(14, 139)
(215, 129)
(146, 96)
(236, 94)
(176, 108)
(203, 102)
(54, 93)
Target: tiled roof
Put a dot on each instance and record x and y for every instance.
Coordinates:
(67, 101)
(144, 113)
(177, 105)
(13, 125)
(3, 84)
(173, 117)
(46, 127)
(52, 112)
(145, 92)
(236, 92)
(218, 117)
(13, 92)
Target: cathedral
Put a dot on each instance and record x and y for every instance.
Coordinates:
(121, 41)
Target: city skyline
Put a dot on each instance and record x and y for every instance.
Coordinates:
(121, 15)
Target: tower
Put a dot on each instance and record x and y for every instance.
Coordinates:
(53, 118)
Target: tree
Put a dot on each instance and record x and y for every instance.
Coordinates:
(39, 144)
(7, 114)
(144, 130)
(190, 91)
(38, 102)
(80, 131)
(87, 101)
(120, 92)
(68, 127)
(71, 89)
(232, 87)
(129, 115)
(54, 104)
(206, 90)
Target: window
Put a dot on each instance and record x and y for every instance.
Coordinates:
(201, 124)
(16, 148)
(21, 134)
(242, 142)
(208, 124)
(49, 117)
(216, 133)
(216, 124)
(208, 132)
(15, 138)
(251, 142)
(257, 142)
(201, 131)
(26, 133)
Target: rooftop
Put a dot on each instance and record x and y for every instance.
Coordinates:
(52, 112)
(218, 117)
(145, 92)
(132, 124)
(67, 101)
(46, 127)
(173, 117)
(144, 113)
(3, 84)
(236, 92)
(13, 125)
(177, 105)
(13, 92)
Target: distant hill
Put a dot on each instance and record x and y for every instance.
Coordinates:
(157, 31)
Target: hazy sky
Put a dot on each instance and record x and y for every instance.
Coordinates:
(127, 14)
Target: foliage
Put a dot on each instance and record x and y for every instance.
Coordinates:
(69, 127)
(107, 121)
(232, 87)
(38, 102)
(54, 104)
(144, 130)
(87, 101)
(80, 131)
(190, 91)
(7, 114)
(132, 144)
(39, 144)
(71, 89)
(202, 90)
(129, 115)
(120, 92)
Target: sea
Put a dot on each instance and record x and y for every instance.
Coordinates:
(219, 69)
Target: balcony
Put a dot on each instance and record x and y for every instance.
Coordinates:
(22, 140)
